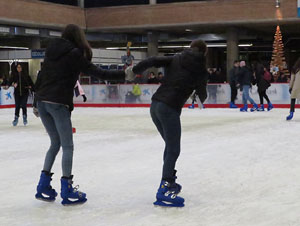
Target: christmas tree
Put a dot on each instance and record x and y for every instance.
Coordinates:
(278, 64)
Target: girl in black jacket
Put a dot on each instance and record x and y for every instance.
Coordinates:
(184, 73)
(65, 58)
(23, 84)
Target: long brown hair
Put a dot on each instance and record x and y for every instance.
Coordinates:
(75, 34)
(296, 66)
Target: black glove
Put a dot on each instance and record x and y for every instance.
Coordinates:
(84, 98)
(290, 90)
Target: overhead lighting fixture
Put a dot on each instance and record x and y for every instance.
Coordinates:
(215, 45)
(188, 30)
(277, 3)
(14, 47)
(4, 29)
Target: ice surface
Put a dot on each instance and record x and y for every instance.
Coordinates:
(236, 169)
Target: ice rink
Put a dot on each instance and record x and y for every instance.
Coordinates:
(236, 169)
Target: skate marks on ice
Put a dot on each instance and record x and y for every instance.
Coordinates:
(236, 169)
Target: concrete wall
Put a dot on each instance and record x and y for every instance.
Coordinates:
(216, 12)
(42, 14)
(39, 14)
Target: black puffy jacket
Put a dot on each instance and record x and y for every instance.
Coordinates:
(62, 66)
(245, 76)
(24, 83)
(184, 73)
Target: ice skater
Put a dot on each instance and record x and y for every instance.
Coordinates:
(245, 79)
(294, 88)
(23, 85)
(184, 73)
(263, 83)
(65, 58)
(233, 76)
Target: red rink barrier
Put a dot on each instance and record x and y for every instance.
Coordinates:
(148, 105)
(186, 105)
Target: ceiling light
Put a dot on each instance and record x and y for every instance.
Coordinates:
(13, 47)
(214, 45)
(277, 3)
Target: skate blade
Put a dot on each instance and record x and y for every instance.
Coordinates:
(43, 198)
(67, 202)
(168, 204)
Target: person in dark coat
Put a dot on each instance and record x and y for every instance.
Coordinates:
(184, 73)
(245, 79)
(65, 58)
(23, 85)
(262, 85)
(233, 73)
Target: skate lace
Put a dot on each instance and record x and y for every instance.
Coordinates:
(76, 188)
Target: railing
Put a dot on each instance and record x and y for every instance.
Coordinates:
(120, 94)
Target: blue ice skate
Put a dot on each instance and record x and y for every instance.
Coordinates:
(270, 106)
(232, 105)
(261, 108)
(70, 195)
(254, 108)
(16, 120)
(191, 106)
(167, 195)
(25, 120)
(44, 190)
(290, 116)
(244, 108)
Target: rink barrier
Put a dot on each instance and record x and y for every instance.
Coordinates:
(120, 95)
(148, 105)
(185, 106)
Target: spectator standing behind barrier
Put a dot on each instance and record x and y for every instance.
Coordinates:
(127, 59)
(212, 88)
(136, 91)
(55, 89)
(160, 77)
(3, 81)
(294, 88)
(152, 78)
(233, 73)
(245, 78)
(282, 78)
(22, 84)
(261, 75)
(184, 73)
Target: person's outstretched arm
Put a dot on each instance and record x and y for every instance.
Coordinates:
(91, 69)
(152, 62)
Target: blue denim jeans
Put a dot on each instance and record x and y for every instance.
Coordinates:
(56, 119)
(167, 122)
(246, 96)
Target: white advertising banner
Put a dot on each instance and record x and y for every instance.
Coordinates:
(122, 94)
(7, 96)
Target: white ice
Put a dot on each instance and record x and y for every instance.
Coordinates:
(236, 169)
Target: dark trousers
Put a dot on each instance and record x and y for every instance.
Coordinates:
(56, 119)
(293, 102)
(167, 122)
(20, 102)
(233, 93)
(263, 95)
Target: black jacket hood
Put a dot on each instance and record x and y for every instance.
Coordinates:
(58, 47)
(192, 60)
